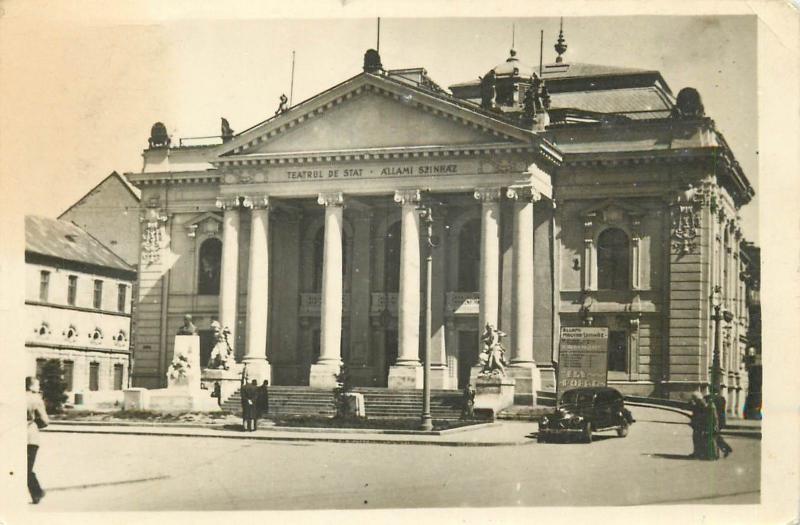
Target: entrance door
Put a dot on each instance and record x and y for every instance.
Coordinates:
(467, 355)
(617, 353)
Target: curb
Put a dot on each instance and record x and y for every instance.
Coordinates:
(309, 430)
(306, 439)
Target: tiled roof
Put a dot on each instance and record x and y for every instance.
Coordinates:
(64, 240)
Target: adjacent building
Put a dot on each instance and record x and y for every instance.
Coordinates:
(580, 194)
(78, 308)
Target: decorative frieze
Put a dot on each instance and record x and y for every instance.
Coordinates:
(228, 202)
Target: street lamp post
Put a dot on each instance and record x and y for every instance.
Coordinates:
(431, 243)
(717, 317)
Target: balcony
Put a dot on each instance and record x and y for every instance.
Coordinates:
(311, 304)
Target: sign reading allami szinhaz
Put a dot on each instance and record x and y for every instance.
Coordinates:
(582, 358)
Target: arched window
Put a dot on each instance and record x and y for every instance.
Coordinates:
(391, 264)
(319, 258)
(613, 260)
(209, 268)
(469, 256)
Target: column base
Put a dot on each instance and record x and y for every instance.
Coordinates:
(528, 382)
(323, 375)
(405, 377)
(440, 378)
(258, 368)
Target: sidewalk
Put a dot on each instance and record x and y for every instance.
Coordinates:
(507, 433)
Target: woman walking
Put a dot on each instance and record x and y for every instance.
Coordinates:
(37, 418)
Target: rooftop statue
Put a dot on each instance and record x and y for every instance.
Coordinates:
(282, 106)
(372, 61)
(225, 130)
(492, 356)
(158, 136)
(488, 90)
(688, 104)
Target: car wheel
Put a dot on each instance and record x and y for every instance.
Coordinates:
(622, 431)
(587, 432)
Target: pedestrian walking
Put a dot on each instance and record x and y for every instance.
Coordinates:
(718, 403)
(705, 427)
(37, 418)
(249, 397)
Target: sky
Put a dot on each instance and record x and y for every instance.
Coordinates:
(84, 94)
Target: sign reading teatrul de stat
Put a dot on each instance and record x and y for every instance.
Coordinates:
(582, 358)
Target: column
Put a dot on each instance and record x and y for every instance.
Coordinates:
(407, 372)
(523, 368)
(490, 256)
(323, 372)
(440, 375)
(230, 264)
(258, 291)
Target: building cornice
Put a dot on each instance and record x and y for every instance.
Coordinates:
(78, 308)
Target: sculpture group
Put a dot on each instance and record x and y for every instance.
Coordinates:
(492, 356)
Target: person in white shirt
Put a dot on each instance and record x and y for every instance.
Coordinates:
(37, 418)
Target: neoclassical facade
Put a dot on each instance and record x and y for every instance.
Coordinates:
(582, 195)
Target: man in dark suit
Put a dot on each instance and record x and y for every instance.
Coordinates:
(262, 401)
(249, 397)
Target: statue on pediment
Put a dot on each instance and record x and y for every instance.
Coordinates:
(225, 130)
(489, 90)
(282, 106)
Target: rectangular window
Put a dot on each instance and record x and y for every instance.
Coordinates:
(44, 286)
(98, 294)
(122, 294)
(68, 368)
(94, 377)
(72, 290)
(118, 370)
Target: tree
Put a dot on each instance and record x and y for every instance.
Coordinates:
(53, 386)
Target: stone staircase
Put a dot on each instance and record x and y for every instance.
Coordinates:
(379, 402)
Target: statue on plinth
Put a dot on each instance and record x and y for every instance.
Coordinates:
(188, 327)
(222, 354)
(492, 356)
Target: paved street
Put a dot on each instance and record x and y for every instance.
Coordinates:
(117, 472)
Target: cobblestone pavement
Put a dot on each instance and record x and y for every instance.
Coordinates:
(146, 472)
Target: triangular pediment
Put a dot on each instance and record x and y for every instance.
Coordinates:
(370, 112)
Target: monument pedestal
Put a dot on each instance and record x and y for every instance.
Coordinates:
(229, 381)
(494, 392)
(405, 377)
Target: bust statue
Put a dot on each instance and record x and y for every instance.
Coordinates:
(188, 328)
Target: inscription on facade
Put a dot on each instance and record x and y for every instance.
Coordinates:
(379, 171)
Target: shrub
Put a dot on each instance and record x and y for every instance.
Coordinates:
(53, 386)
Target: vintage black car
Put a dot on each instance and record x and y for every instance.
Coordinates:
(582, 411)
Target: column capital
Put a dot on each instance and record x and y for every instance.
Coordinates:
(407, 196)
(228, 202)
(523, 193)
(331, 199)
(256, 202)
(487, 194)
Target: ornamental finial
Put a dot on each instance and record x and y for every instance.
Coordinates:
(561, 44)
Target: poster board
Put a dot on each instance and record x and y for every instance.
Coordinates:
(582, 358)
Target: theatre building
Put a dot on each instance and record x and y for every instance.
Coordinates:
(583, 194)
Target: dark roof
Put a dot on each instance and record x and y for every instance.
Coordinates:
(66, 241)
(650, 102)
